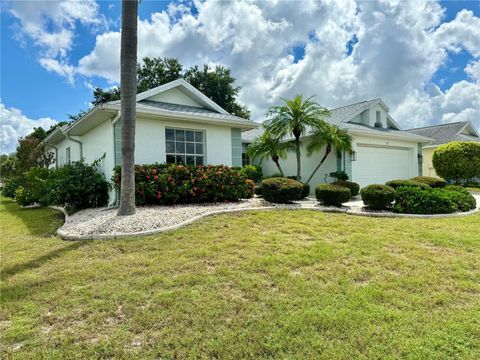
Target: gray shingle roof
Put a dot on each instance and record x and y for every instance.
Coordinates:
(445, 133)
(339, 117)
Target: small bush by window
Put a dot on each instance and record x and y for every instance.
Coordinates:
(430, 181)
(410, 183)
(169, 184)
(281, 190)
(354, 187)
(339, 175)
(378, 197)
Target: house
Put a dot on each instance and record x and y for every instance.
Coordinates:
(381, 150)
(176, 123)
(443, 134)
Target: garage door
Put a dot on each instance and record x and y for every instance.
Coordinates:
(377, 165)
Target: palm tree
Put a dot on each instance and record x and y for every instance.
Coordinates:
(295, 117)
(330, 136)
(128, 85)
(266, 146)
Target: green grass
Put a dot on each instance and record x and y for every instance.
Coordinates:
(276, 284)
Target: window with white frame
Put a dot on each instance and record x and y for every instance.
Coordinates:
(67, 155)
(185, 146)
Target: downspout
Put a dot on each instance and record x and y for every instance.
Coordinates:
(79, 143)
(114, 203)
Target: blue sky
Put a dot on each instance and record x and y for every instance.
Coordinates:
(273, 52)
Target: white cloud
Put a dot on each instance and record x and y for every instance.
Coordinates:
(14, 125)
(51, 25)
(401, 45)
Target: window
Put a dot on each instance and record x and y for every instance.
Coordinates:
(378, 121)
(67, 155)
(184, 146)
(245, 159)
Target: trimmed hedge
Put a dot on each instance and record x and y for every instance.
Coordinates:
(281, 190)
(354, 187)
(457, 160)
(410, 183)
(305, 190)
(330, 194)
(432, 201)
(169, 184)
(433, 182)
(465, 201)
(258, 190)
(378, 197)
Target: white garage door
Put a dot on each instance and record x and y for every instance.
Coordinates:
(377, 165)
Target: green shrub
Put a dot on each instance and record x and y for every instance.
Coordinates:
(11, 185)
(169, 184)
(410, 183)
(433, 182)
(258, 190)
(354, 187)
(76, 186)
(281, 190)
(462, 197)
(305, 190)
(339, 175)
(330, 194)
(378, 197)
(457, 160)
(277, 175)
(36, 184)
(23, 197)
(412, 200)
(253, 172)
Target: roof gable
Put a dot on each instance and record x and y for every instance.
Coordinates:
(182, 93)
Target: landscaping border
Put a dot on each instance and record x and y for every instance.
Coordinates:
(296, 206)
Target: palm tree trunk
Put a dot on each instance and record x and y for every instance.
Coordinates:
(279, 168)
(128, 92)
(297, 151)
(328, 149)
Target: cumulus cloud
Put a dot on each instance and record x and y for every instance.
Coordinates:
(14, 125)
(349, 51)
(51, 26)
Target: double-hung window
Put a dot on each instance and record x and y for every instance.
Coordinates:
(185, 146)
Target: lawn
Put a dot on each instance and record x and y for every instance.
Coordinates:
(274, 284)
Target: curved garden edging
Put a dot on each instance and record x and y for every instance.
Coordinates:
(68, 235)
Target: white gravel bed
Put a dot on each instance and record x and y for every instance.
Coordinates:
(103, 223)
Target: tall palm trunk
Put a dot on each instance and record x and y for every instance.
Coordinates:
(328, 150)
(128, 92)
(297, 132)
(275, 159)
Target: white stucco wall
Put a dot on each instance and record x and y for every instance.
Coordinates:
(289, 166)
(150, 141)
(99, 141)
(62, 151)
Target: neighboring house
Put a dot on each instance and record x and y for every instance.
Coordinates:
(443, 134)
(381, 150)
(175, 123)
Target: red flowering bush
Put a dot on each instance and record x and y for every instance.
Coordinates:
(169, 184)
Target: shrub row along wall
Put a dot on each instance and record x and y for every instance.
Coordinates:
(169, 184)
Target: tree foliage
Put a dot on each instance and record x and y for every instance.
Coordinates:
(216, 83)
(457, 160)
(294, 118)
